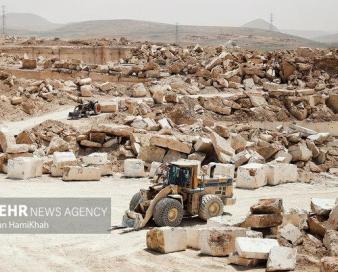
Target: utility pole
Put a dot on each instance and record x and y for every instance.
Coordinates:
(271, 21)
(176, 34)
(4, 20)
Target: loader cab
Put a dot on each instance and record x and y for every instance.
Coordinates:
(183, 174)
(179, 176)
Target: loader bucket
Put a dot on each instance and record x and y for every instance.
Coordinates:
(132, 220)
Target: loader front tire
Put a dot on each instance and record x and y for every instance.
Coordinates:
(211, 206)
(168, 212)
(135, 200)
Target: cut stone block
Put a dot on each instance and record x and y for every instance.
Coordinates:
(316, 227)
(60, 160)
(171, 143)
(203, 145)
(254, 234)
(114, 129)
(95, 159)
(85, 81)
(319, 138)
(251, 176)
(3, 161)
(300, 152)
(333, 219)
(220, 241)
(221, 169)
(237, 260)
(90, 144)
(222, 148)
(106, 169)
(193, 237)
(29, 64)
(134, 168)
(86, 91)
(109, 107)
(139, 90)
(226, 221)
(241, 158)
(255, 248)
(268, 206)
(153, 168)
(17, 149)
(197, 156)
(281, 173)
(263, 220)
(164, 123)
(282, 259)
(322, 206)
(331, 242)
(173, 156)
(151, 153)
(6, 139)
(329, 264)
(332, 102)
(24, 168)
(297, 218)
(167, 240)
(57, 144)
(78, 173)
(284, 154)
(237, 142)
(291, 233)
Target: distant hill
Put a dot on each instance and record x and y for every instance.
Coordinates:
(307, 34)
(333, 38)
(28, 22)
(246, 37)
(160, 32)
(260, 24)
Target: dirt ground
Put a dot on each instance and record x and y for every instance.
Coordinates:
(126, 252)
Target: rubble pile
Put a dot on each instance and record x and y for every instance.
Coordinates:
(269, 237)
(255, 157)
(21, 97)
(276, 155)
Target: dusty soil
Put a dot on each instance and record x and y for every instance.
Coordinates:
(127, 252)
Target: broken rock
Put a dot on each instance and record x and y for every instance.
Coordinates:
(331, 242)
(263, 221)
(322, 206)
(268, 206)
(291, 233)
(282, 259)
(222, 148)
(255, 248)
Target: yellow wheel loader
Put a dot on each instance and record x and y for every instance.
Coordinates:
(180, 193)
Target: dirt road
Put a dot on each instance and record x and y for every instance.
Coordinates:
(123, 252)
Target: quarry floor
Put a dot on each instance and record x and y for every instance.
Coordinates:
(126, 252)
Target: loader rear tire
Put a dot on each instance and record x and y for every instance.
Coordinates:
(135, 200)
(168, 212)
(211, 206)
